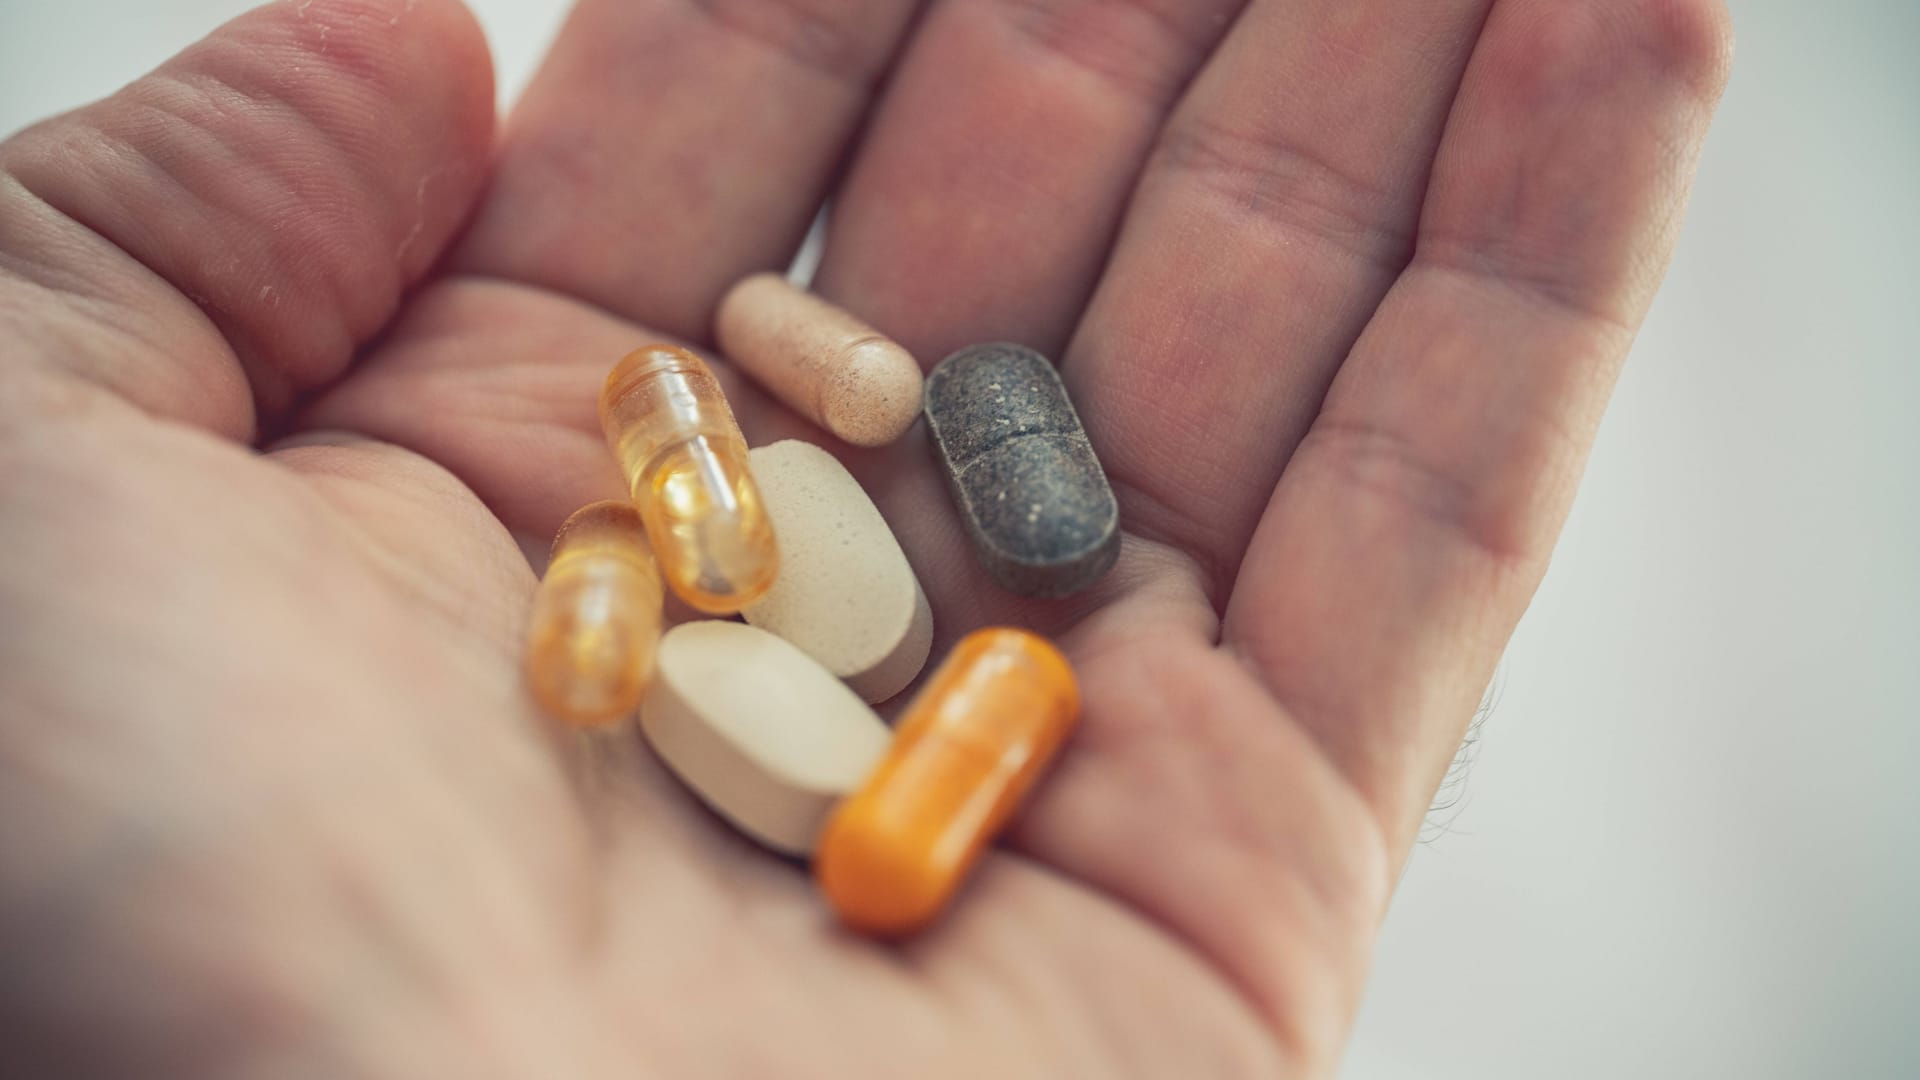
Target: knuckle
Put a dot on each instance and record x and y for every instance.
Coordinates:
(1422, 490)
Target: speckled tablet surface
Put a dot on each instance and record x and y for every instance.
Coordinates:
(1023, 475)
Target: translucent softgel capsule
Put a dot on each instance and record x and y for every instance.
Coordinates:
(596, 618)
(686, 463)
(966, 752)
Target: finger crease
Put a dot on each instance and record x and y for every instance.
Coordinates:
(830, 45)
(1150, 65)
(1273, 178)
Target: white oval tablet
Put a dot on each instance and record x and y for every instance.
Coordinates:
(766, 737)
(846, 595)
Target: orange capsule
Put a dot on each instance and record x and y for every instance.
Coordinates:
(966, 752)
(596, 618)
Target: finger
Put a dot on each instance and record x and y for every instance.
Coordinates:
(229, 228)
(984, 201)
(669, 147)
(1277, 208)
(1413, 524)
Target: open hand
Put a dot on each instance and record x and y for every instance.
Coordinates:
(292, 349)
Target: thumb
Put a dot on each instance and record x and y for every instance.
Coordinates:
(217, 238)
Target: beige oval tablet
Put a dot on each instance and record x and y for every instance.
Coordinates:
(846, 594)
(766, 737)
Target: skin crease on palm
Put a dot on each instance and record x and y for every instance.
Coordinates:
(297, 346)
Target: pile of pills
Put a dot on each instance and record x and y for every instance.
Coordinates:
(770, 721)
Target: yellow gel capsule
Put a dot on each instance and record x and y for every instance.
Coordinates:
(965, 753)
(596, 618)
(686, 463)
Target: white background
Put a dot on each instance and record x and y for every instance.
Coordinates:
(1688, 845)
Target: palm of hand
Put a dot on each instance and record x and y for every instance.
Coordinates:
(289, 802)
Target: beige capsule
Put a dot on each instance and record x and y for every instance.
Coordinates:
(822, 362)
